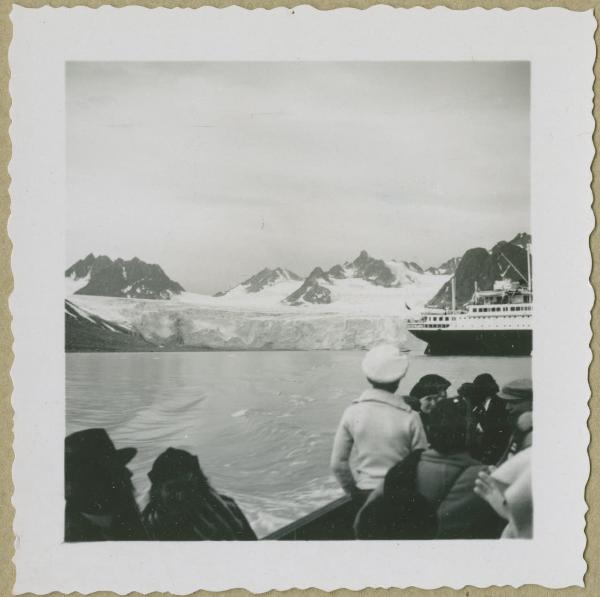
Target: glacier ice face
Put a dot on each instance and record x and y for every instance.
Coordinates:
(230, 330)
(165, 323)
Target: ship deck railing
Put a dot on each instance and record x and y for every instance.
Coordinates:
(332, 522)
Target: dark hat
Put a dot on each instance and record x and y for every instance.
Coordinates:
(468, 390)
(429, 384)
(173, 463)
(485, 383)
(519, 389)
(92, 448)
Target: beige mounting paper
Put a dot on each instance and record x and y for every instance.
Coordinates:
(559, 45)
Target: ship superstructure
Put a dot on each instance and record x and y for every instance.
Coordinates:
(493, 322)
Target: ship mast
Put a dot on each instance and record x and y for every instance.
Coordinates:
(453, 286)
(529, 267)
(516, 268)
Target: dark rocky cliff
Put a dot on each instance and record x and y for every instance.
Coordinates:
(485, 267)
(120, 278)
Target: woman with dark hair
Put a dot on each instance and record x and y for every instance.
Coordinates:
(184, 507)
(426, 393)
(492, 427)
(438, 482)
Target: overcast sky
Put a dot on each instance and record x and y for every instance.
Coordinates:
(216, 170)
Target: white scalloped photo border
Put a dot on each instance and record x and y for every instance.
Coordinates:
(559, 45)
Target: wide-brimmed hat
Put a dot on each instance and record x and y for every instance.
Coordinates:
(92, 448)
(385, 364)
(518, 389)
(173, 463)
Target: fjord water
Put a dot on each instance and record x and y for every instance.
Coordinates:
(261, 423)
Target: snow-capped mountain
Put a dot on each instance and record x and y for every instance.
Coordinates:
(355, 305)
(447, 268)
(354, 280)
(313, 290)
(101, 276)
(264, 278)
(325, 287)
(389, 273)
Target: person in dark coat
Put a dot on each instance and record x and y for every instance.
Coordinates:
(518, 398)
(396, 510)
(184, 507)
(100, 501)
(426, 393)
(443, 479)
(492, 427)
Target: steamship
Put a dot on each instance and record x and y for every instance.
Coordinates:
(494, 322)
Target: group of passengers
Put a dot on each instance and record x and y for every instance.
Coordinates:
(428, 466)
(101, 506)
(416, 467)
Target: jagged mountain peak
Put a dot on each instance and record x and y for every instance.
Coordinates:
(363, 257)
(102, 276)
(337, 271)
(318, 285)
(313, 290)
(447, 268)
(522, 239)
(318, 272)
(264, 278)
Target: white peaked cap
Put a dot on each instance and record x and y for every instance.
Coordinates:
(385, 364)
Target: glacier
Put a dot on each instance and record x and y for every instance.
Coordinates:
(171, 325)
(362, 315)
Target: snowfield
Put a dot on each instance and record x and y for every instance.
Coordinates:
(360, 315)
(351, 296)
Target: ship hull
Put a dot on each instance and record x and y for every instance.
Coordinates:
(476, 342)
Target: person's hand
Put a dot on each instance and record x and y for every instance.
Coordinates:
(487, 489)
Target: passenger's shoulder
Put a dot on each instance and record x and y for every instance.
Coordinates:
(413, 414)
(471, 472)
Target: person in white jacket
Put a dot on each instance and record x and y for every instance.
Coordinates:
(378, 429)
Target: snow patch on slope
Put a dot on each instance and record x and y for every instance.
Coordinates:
(73, 284)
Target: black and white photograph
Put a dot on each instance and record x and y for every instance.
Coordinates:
(273, 307)
(299, 301)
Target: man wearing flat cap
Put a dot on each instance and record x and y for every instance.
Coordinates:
(378, 429)
(518, 398)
